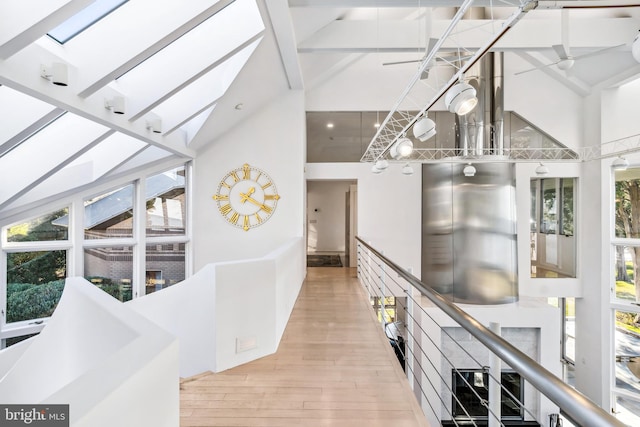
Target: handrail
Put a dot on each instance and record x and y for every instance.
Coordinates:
(576, 406)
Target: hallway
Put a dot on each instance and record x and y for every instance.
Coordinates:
(333, 367)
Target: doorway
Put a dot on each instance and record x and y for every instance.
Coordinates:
(331, 223)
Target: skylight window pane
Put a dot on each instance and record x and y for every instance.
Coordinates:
(203, 91)
(84, 19)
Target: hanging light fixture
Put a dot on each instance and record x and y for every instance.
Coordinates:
(402, 148)
(542, 170)
(424, 128)
(407, 169)
(469, 170)
(375, 169)
(382, 164)
(620, 163)
(461, 98)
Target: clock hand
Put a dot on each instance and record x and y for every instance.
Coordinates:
(245, 196)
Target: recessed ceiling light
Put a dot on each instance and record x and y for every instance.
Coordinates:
(239, 106)
(330, 125)
(376, 125)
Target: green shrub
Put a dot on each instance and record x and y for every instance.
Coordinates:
(29, 301)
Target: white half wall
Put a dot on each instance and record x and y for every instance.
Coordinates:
(274, 141)
(232, 312)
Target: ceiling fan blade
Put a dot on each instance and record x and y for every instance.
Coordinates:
(561, 51)
(597, 52)
(402, 62)
(536, 68)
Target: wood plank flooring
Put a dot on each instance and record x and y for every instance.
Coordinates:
(334, 367)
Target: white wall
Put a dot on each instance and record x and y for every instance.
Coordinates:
(272, 140)
(389, 207)
(618, 119)
(543, 101)
(326, 207)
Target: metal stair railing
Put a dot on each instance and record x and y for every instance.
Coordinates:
(377, 272)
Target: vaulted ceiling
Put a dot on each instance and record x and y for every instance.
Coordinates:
(156, 80)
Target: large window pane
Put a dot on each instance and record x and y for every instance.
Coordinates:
(627, 259)
(41, 229)
(166, 203)
(110, 269)
(627, 203)
(627, 351)
(628, 410)
(165, 266)
(109, 215)
(35, 281)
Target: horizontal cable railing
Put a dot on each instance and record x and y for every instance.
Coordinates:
(466, 396)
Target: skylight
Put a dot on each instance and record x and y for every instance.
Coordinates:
(84, 19)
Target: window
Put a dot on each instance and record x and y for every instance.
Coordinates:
(166, 203)
(165, 266)
(84, 19)
(471, 385)
(553, 244)
(35, 281)
(109, 215)
(110, 269)
(41, 229)
(625, 295)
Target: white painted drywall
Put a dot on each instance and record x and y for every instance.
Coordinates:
(389, 207)
(272, 140)
(620, 111)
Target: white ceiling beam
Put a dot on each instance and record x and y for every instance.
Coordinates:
(121, 68)
(21, 72)
(286, 39)
(344, 36)
(24, 22)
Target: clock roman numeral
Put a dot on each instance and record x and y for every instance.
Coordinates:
(246, 223)
(234, 218)
(258, 219)
(225, 209)
(226, 185)
(266, 208)
(267, 185)
(246, 172)
(221, 197)
(271, 197)
(235, 177)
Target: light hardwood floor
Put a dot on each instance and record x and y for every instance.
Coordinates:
(334, 367)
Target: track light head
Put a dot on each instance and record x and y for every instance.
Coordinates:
(402, 148)
(57, 73)
(116, 104)
(154, 125)
(461, 98)
(424, 129)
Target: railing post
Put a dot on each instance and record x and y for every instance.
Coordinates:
(495, 371)
(383, 291)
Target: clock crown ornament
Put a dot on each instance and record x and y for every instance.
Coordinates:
(246, 197)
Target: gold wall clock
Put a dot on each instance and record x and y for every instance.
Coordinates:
(246, 197)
